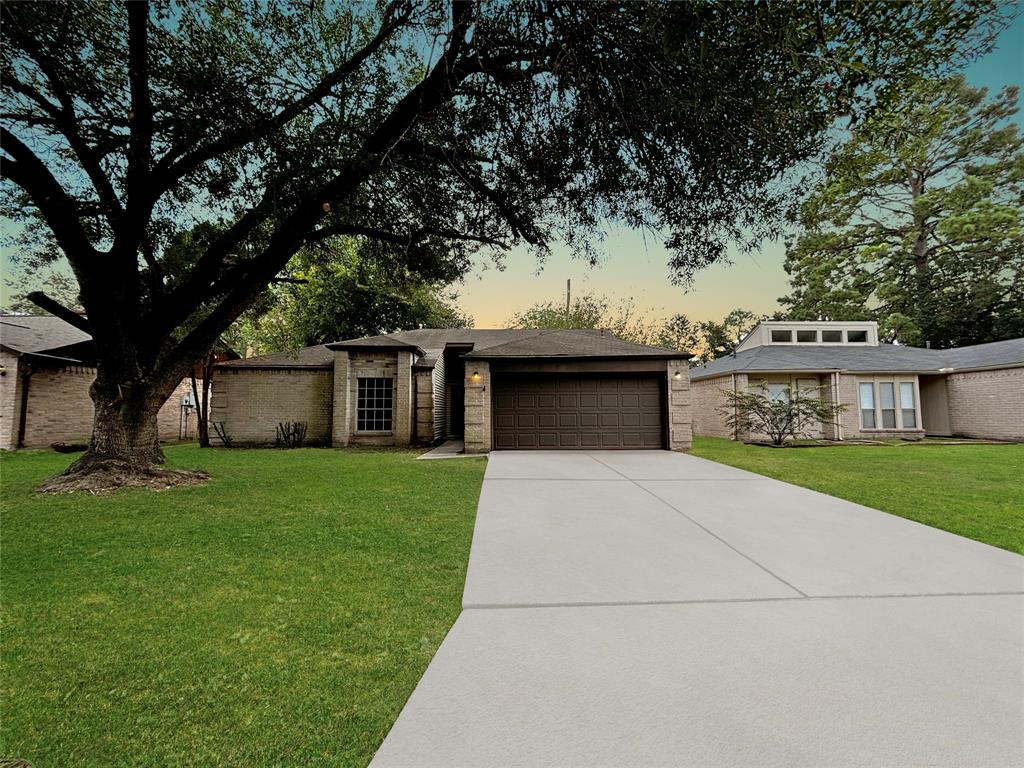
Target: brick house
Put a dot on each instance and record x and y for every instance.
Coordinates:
(890, 391)
(46, 369)
(495, 389)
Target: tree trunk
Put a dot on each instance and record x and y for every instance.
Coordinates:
(203, 399)
(125, 446)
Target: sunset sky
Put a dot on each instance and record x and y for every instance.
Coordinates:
(636, 269)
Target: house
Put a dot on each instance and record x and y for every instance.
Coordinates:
(496, 389)
(46, 368)
(889, 390)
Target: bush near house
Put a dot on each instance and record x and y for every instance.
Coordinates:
(280, 615)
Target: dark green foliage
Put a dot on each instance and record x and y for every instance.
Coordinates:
(919, 222)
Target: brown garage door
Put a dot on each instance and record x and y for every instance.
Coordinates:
(577, 411)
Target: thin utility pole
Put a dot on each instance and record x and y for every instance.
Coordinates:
(568, 294)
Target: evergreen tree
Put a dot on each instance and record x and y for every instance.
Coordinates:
(918, 222)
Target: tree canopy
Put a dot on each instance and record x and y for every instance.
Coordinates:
(918, 221)
(430, 128)
(345, 289)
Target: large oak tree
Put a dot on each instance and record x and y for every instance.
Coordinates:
(432, 128)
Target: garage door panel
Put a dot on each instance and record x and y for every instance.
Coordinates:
(577, 411)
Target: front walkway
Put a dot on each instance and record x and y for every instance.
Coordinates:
(650, 608)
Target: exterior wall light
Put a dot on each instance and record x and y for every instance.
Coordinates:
(678, 375)
(475, 376)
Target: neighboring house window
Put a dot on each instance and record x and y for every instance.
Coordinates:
(880, 409)
(887, 400)
(782, 336)
(778, 393)
(867, 405)
(374, 405)
(907, 406)
(856, 337)
(806, 336)
(832, 337)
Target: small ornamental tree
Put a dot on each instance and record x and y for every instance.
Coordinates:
(785, 414)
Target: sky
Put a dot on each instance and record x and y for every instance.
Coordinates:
(636, 270)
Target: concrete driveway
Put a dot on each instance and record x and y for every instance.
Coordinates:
(646, 608)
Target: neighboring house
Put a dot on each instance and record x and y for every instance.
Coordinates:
(889, 390)
(46, 369)
(496, 389)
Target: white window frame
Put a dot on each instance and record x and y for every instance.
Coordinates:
(897, 382)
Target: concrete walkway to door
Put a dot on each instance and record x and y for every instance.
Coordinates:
(647, 608)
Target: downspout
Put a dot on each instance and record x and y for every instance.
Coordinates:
(24, 403)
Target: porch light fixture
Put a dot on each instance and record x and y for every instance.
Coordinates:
(677, 376)
(475, 376)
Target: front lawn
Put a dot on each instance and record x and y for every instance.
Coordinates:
(280, 615)
(971, 490)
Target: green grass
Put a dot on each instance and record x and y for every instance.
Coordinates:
(975, 491)
(280, 615)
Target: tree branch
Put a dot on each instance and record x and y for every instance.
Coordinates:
(59, 209)
(41, 300)
(169, 170)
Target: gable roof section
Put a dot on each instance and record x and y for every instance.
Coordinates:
(885, 358)
(374, 342)
(307, 357)
(573, 344)
(38, 333)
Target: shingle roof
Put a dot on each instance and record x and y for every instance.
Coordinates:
(487, 342)
(375, 342)
(38, 333)
(884, 358)
(992, 355)
(307, 357)
(573, 344)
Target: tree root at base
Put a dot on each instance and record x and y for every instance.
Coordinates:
(104, 476)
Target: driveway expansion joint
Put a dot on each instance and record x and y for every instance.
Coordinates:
(729, 600)
(703, 528)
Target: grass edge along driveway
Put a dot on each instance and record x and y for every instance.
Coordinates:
(970, 490)
(280, 615)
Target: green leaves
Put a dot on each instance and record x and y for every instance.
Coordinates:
(918, 221)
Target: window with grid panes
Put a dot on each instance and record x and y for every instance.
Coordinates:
(374, 405)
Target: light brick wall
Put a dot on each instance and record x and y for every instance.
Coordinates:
(376, 365)
(403, 405)
(341, 417)
(478, 407)
(170, 422)
(424, 383)
(251, 403)
(680, 410)
(10, 401)
(59, 406)
(707, 398)
(987, 404)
